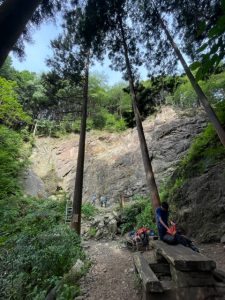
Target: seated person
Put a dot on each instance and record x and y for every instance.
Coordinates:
(162, 216)
(170, 235)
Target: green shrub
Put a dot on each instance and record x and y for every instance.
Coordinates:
(88, 210)
(12, 161)
(11, 111)
(99, 120)
(39, 250)
(92, 232)
(48, 128)
(137, 214)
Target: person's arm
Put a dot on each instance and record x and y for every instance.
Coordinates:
(158, 214)
(163, 224)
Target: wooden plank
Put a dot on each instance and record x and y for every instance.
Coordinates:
(183, 258)
(160, 268)
(192, 279)
(149, 280)
(219, 275)
(167, 285)
(190, 293)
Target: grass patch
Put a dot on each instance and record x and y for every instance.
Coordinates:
(92, 232)
(88, 210)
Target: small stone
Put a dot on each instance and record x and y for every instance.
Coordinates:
(86, 247)
(78, 266)
(222, 240)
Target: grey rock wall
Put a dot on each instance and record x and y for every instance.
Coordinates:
(113, 163)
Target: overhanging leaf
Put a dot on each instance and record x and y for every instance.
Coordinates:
(195, 65)
(202, 48)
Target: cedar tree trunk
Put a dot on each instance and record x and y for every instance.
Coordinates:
(77, 198)
(150, 178)
(14, 16)
(201, 95)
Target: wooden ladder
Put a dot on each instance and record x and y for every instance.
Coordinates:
(69, 210)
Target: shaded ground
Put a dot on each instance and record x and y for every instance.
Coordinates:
(112, 274)
(215, 251)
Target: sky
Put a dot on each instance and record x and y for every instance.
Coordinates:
(39, 50)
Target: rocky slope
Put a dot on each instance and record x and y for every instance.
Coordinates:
(113, 163)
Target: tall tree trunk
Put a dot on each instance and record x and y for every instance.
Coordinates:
(150, 178)
(77, 197)
(201, 95)
(14, 15)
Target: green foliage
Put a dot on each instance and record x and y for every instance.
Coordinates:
(48, 128)
(39, 251)
(211, 52)
(109, 122)
(88, 210)
(92, 232)
(12, 161)
(11, 111)
(137, 214)
(7, 71)
(32, 93)
(102, 120)
(185, 96)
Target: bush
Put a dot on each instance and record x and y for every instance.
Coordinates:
(138, 214)
(48, 128)
(109, 122)
(40, 260)
(12, 161)
(39, 250)
(88, 210)
(11, 111)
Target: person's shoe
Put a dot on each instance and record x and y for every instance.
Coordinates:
(194, 248)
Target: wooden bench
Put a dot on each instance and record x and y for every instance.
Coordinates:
(179, 273)
(183, 258)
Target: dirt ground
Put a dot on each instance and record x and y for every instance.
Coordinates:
(112, 275)
(215, 251)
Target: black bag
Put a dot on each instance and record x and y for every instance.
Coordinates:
(144, 239)
(170, 239)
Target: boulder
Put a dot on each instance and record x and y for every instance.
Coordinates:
(112, 227)
(77, 267)
(33, 185)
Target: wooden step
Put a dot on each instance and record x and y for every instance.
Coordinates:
(150, 282)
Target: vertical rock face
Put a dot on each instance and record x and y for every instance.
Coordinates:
(201, 205)
(113, 163)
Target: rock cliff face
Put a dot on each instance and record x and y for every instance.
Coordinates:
(113, 163)
(201, 205)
